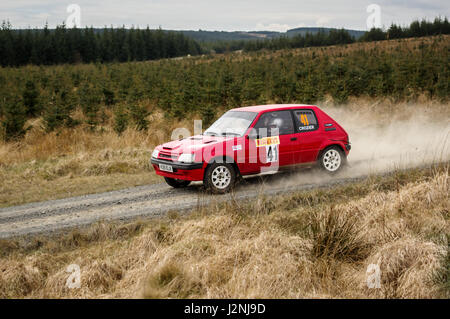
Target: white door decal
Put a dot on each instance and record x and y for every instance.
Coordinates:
(271, 153)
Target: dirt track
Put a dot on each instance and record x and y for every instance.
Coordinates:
(148, 201)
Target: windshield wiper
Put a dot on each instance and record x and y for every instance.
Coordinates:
(211, 133)
(230, 133)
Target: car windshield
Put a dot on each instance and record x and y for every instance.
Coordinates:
(233, 123)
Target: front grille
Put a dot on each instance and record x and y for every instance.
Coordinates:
(167, 156)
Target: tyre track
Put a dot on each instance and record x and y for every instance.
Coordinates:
(86, 202)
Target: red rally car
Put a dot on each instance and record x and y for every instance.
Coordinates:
(253, 140)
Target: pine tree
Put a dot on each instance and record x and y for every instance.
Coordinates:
(55, 115)
(120, 120)
(374, 34)
(58, 109)
(208, 115)
(14, 119)
(30, 98)
(90, 99)
(139, 116)
(109, 96)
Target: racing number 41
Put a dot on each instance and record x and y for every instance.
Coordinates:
(304, 119)
(271, 153)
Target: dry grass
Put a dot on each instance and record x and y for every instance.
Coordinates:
(78, 161)
(310, 244)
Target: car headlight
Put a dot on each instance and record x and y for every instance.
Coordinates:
(186, 158)
(155, 153)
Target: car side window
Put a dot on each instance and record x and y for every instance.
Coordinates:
(269, 122)
(305, 120)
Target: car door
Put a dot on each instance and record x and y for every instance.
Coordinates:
(308, 136)
(272, 144)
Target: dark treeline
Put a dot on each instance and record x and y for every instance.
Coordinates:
(284, 42)
(74, 45)
(415, 29)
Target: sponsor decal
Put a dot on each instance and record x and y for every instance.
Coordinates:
(266, 141)
(237, 147)
(306, 128)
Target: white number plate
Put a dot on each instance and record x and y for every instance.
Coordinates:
(166, 168)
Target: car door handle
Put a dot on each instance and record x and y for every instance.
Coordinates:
(293, 138)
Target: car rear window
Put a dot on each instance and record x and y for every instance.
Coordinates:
(305, 120)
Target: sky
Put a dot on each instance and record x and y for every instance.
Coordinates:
(224, 15)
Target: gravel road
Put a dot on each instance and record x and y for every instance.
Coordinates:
(149, 201)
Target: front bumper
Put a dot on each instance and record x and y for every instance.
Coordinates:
(177, 165)
(189, 172)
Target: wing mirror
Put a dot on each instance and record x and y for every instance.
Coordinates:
(252, 136)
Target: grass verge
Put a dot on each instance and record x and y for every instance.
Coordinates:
(315, 244)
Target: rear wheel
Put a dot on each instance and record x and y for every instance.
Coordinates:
(220, 177)
(332, 159)
(176, 183)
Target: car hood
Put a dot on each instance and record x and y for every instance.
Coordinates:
(192, 144)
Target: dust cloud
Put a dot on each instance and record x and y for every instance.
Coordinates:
(388, 138)
(384, 138)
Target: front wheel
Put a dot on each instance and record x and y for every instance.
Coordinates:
(219, 177)
(332, 159)
(176, 183)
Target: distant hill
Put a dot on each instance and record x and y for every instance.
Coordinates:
(354, 33)
(213, 36)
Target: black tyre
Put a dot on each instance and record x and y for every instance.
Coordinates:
(332, 159)
(219, 178)
(176, 183)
